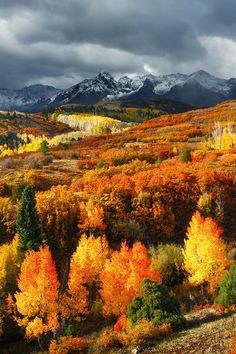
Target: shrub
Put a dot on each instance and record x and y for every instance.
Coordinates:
(9, 163)
(101, 164)
(233, 345)
(34, 163)
(158, 161)
(156, 305)
(108, 338)
(48, 159)
(232, 254)
(120, 324)
(70, 330)
(66, 345)
(117, 157)
(168, 259)
(227, 288)
(185, 155)
(5, 189)
(141, 333)
(43, 148)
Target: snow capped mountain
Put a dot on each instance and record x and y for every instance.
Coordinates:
(198, 89)
(88, 91)
(29, 98)
(125, 82)
(210, 82)
(162, 83)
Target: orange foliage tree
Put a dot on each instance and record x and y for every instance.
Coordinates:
(92, 216)
(86, 265)
(122, 277)
(89, 257)
(204, 252)
(36, 301)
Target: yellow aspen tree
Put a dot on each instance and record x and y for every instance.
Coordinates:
(204, 252)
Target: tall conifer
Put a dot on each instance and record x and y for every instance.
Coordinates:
(27, 223)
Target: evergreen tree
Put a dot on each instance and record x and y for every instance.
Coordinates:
(27, 223)
(44, 147)
(227, 288)
(155, 305)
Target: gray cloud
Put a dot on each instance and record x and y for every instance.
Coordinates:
(60, 42)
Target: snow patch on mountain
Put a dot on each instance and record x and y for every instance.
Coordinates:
(27, 96)
(191, 89)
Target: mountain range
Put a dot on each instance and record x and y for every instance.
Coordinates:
(199, 89)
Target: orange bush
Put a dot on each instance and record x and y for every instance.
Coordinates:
(66, 345)
(233, 345)
(121, 323)
(117, 156)
(142, 332)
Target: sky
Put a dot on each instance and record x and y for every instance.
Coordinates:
(61, 42)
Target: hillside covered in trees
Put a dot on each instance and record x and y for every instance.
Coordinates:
(118, 236)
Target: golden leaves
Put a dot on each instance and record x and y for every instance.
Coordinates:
(204, 252)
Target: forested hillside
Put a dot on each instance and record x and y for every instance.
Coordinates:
(123, 239)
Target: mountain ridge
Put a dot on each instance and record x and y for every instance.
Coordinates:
(199, 89)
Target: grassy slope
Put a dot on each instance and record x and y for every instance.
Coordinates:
(208, 338)
(211, 335)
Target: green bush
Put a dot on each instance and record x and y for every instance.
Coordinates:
(158, 161)
(168, 260)
(101, 164)
(70, 330)
(44, 147)
(227, 288)
(156, 305)
(185, 155)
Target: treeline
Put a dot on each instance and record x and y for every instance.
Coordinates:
(49, 295)
(124, 114)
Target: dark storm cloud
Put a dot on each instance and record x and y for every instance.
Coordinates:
(61, 41)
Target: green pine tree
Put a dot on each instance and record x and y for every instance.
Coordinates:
(227, 288)
(155, 305)
(27, 223)
(44, 147)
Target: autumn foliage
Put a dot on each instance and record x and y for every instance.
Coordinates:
(233, 345)
(85, 267)
(89, 258)
(122, 277)
(204, 253)
(9, 265)
(67, 345)
(36, 300)
(114, 210)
